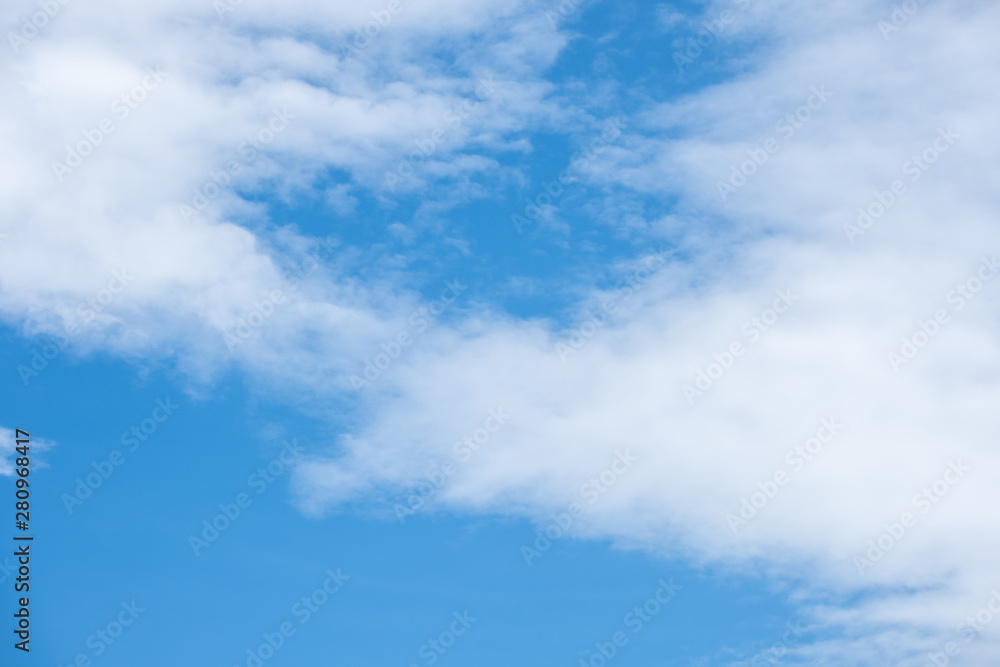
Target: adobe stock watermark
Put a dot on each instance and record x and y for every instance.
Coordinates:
(592, 490)
(7, 568)
(255, 318)
(924, 501)
(635, 620)
(928, 329)
(302, 611)
(968, 630)
(30, 27)
(432, 650)
(105, 468)
(463, 451)
(365, 35)
(622, 292)
(741, 173)
(419, 321)
(552, 191)
(259, 482)
(263, 309)
(247, 152)
(900, 16)
(753, 329)
(87, 312)
(711, 30)
(223, 7)
(566, 8)
(122, 107)
(773, 654)
(105, 637)
(797, 458)
(453, 119)
(915, 167)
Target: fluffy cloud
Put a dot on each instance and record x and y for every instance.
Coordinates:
(135, 136)
(885, 342)
(9, 454)
(751, 346)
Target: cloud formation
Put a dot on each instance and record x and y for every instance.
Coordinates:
(799, 360)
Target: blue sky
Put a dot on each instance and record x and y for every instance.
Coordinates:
(317, 343)
(130, 540)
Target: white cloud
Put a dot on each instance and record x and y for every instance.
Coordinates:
(203, 135)
(9, 454)
(826, 357)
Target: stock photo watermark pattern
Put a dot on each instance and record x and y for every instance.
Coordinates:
(382, 333)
